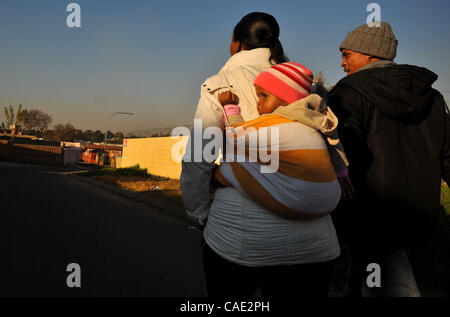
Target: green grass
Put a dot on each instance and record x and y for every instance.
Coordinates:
(431, 264)
(445, 197)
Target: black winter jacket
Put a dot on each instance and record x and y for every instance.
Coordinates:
(395, 130)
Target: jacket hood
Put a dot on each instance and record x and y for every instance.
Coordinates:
(311, 111)
(402, 92)
(314, 112)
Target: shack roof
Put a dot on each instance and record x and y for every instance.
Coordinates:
(107, 147)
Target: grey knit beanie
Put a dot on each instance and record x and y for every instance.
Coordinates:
(374, 41)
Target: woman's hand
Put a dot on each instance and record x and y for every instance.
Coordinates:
(227, 98)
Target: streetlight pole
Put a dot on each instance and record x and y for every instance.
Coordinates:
(107, 127)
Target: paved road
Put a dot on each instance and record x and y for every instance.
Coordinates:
(49, 219)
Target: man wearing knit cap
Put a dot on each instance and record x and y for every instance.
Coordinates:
(395, 129)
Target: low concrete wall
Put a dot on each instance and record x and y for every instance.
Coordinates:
(31, 153)
(41, 154)
(70, 144)
(154, 154)
(71, 155)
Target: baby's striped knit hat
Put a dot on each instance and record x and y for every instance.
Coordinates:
(288, 81)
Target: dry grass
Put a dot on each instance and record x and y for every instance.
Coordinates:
(160, 187)
(140, 183)
(137, 180)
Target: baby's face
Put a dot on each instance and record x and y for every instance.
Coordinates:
(267, 102)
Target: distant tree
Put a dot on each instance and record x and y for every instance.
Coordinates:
(69, 133)
(109, 135)
(59, 131)
(49, 135)
(88, 135)
(118, 135)
(35, 119)
(44, 120)
(98, 136)
(24, 119)
(20, 116)
(79, 135)
(11, 116)
(65, 132)
(117, 138)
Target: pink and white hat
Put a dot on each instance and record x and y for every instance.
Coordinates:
(288, 81)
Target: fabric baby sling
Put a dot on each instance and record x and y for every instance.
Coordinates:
(304, 185)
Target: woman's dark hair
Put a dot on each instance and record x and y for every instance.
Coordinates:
(259, 29)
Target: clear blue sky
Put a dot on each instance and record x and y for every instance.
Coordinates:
(150, 57)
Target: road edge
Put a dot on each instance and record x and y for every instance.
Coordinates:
(166, 208)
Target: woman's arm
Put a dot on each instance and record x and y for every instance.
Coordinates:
(196, 172)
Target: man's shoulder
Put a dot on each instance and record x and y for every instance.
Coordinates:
(346, 87)
(349, 94)
(386, 75)
(364, 80)
(359, 78)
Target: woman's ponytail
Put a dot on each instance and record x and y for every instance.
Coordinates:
(277, 53)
